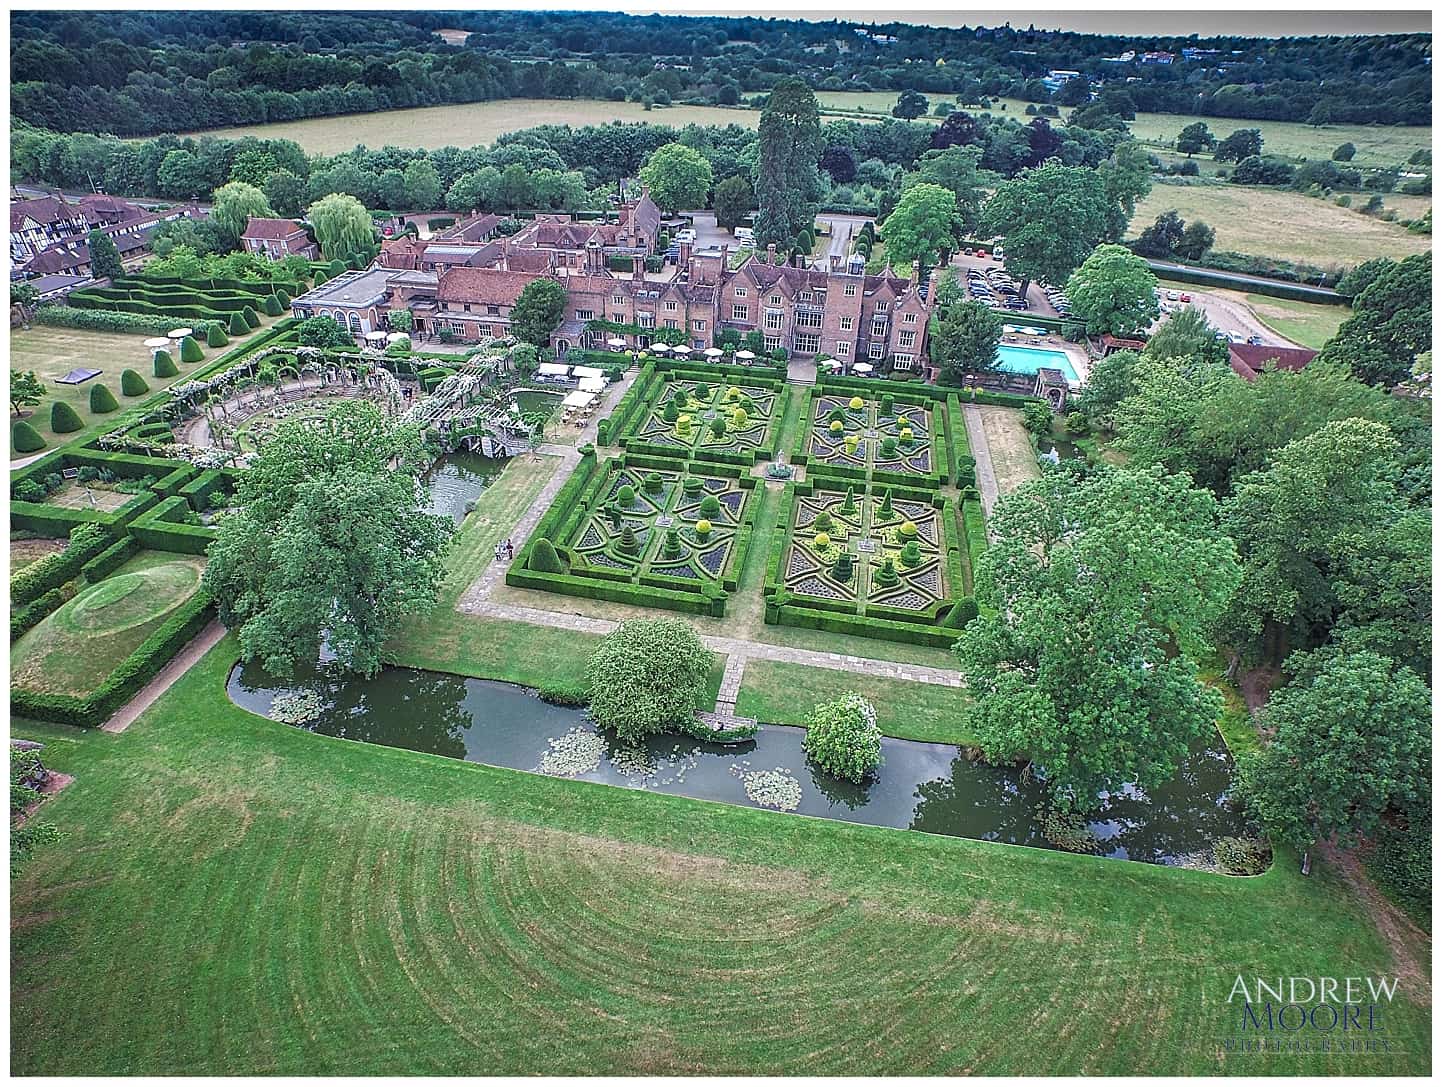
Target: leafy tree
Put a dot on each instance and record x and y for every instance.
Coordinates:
(24, 294)
(789, 144)
(1391, 324)
(323, 332)
(235, 205)
(1111, 380)
(647, 676)
(1344, 152)
(342, 225)
(678, 177)
(1126, 178)
(910, 105)
(842, 737)
(1097, 597)
(104, 256)
(734, 200)
(954, 168)
(422, 185)
(1195, 137)
(1293, 519)
(1187, 334)
(1050, 219)
(1255, 170)
(26, 391)
(1161, 240)
(284, 191)
(838, 161)
(1113, 291)
(1350, 738)
(181, 175)
(538, 311)
(1242, 144)
(1196, 241)
(963, 339)
(1362, 276)
(922, 224)
(331, 544)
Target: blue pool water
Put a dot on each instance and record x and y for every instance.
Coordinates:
(1028, 360)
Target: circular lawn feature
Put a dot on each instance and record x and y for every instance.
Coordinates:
(126, 600)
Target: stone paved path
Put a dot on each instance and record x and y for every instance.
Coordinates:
(981, 452)
(199, 646)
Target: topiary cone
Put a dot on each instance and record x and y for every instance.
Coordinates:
(238, 327)
(63, 418)
(190, 351)
(24, 438)
(164, 365)
(544, 558)
(215, 336)
(251, 317)
(132, 384)
(270, 306)
(102, 400)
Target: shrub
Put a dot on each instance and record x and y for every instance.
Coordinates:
(907, 531)
(647, 676)
(544, 558)
(164, 365)
(961, 613)
(132, 384)
(887, 404)
(690, 485)
(907, 435)
(886, 507)
(710, 506)
(238, 327)
(822, 522)
(857, 403)
(1402, 862)
(718, 426)
(63, 418)
(848, 506)
(671, 412)
(910, 554)
(703, 529)
(102, 400)
(841, 569)
(888, 446)
(626, 496)
(843, 739)
(270, 306)
(821, 541)
(24, 438)
(653, 482)
(562, 694)
(1243, 856)
(738, 418)
(837, 426)
(190, 351)
(1036, 418)
(673, 542)
(216, 337)
(836, 415)
(252, 319)
(629, 543)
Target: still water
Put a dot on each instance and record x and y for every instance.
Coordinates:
(456, 480)
(921, 786)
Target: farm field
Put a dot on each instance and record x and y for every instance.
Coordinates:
(1284, 225)
(473, 123)
(366, 909)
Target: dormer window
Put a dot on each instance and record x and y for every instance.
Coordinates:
(775, 300)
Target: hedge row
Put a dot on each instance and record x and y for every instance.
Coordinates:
(1206, 277)
(198, 491)
(129, 677)
(156, 299)
(906, 392)
(111, 559)
(762, 374)
(644, 595)
(161, 529)
(258, 288)
(23, 618)
(33, 581)
(103, 320)
(192, 314)
(630, 410)
(973, 520)
(781, 612)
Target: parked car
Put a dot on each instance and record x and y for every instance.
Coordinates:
(1186, 298)
(745, 235)
(1173, 296)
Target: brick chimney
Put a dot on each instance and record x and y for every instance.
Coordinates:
(835, 263)
(683, 254)
(595, 257)
(915, 272)
(770, 252)
(638, 268)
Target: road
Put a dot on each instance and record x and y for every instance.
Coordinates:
(1324, 295)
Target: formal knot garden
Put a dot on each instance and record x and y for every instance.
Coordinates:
(877, 540)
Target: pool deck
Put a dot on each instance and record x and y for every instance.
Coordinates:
(1077, 356)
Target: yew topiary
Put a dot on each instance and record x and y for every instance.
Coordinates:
(238, 327)
(710, 506)
(544, 559)
(190, 351)
(102, 400)
(703, 529)
(626, 496)
(910, 554)
(629, 543)
(823, 522)
(164, 365)
(270, 306)
(132, 384)
(63, 418)
(842, 568)
(718, 426)
(215, 336)
(24, 438)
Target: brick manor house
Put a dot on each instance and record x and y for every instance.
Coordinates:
(464, 282)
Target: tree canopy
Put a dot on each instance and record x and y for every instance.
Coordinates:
(538, 311)
(677, 177)
(963, 338)
(1113, 291)
(1391, 322)
(235, 203)
(647, 676)
(342, 225)
(787, 185)
(922, 224)
(1050, 219)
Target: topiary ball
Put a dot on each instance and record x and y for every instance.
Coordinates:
(703, 528)
(738, 418)
(733, 393)
(857, 403)
(907, 531)
(821, 540)
(626, 496)
(718, 426)
(710, 506)
(837, 427)
(823, 522)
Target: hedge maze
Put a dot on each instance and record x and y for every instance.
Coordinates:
(895, 437)
(690, 416)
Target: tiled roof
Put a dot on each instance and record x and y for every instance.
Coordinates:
(1248, 359)
(43, 209)
(489, 286)
(274, 230)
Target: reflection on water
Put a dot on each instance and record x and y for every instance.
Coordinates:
(456, 480)
(921, 786)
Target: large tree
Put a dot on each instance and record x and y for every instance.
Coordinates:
(963, 340)
(1097, 599)
(422, 185)
(1113, 291)
(1049, 218)
(1242, 144)
(1195, 137)
(285, 191)
(957, 169)
(1391, 323)
(678, 177)
(733, 202)
(104, 256)
(788, 147)
(235, 204)
(1349, 739)
(26, 390)
(1126, 178)
(922, 224)
(646, 676)
(331, 545)
(342, 225)
(538, 311)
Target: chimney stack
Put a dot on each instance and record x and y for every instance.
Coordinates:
(835, 263)
(638, 268)
(770, 252)
(915, 272)
(683, 254)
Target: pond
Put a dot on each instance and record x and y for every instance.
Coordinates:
(921, 786)
(535, 400)
(456, 480)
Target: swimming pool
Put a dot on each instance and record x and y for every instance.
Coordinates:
(1028, 360)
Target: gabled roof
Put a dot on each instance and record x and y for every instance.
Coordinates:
(1249, 359)
(274, 230)
(43, 210)
(488, 286)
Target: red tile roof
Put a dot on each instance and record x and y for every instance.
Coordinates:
(1248, 359)
(276, 230)
(43, 209)
(489, 286)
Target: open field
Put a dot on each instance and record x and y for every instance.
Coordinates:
(73, 649)
(1012, 455)
(783, 694)
(1284, 225)
(474, 123)
(364, 909)
(54, 352)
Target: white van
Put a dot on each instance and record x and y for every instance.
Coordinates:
(745, 235)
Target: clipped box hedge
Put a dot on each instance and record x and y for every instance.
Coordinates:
(161, 528)
(53, 571)
(111, 559)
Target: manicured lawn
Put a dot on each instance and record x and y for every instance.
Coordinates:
(783, 694)
(75, 647)
(237, 896)
(1280, 224)
(54, 352)
(1306, 323)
